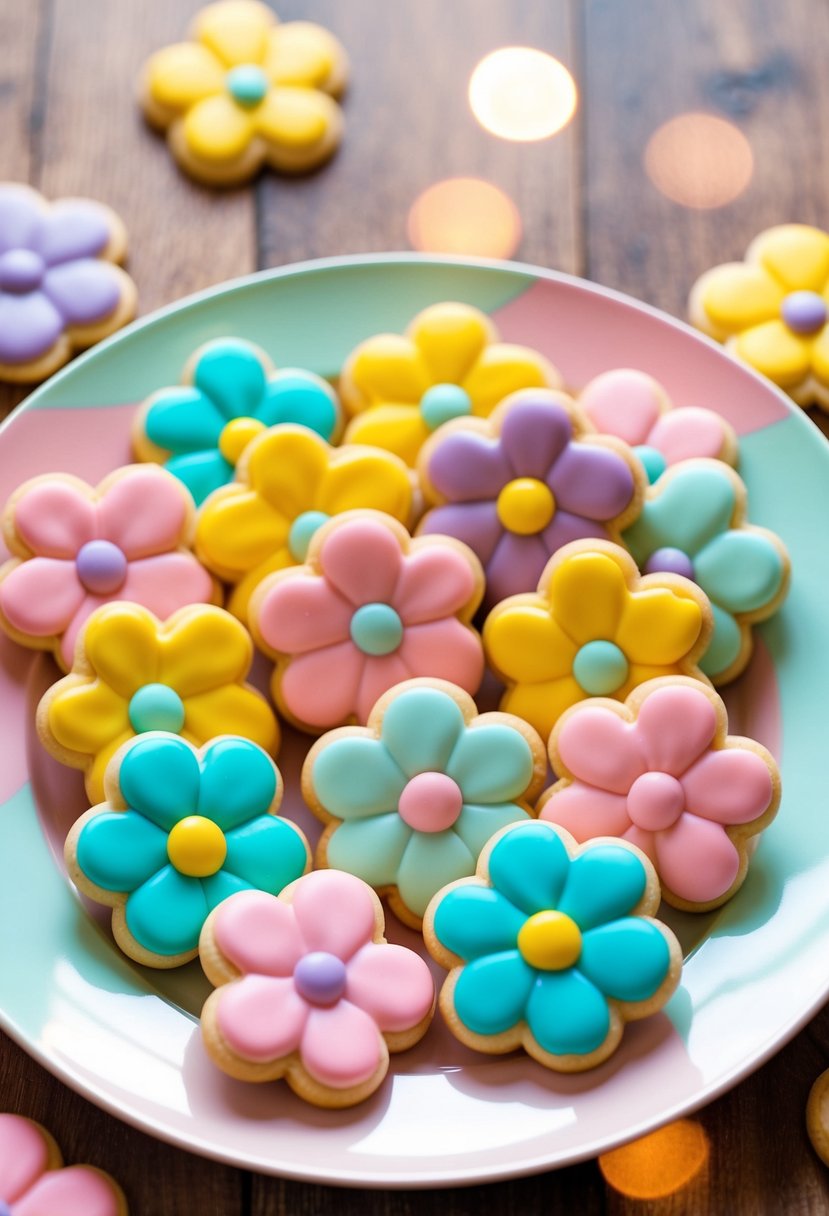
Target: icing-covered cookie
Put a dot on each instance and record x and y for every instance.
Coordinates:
(662, 772)
(229, 394)
(552, 947)
(133, 673)
(693, 523)
(411, 799)
(60, 289)
(771, 310)
(448, 364)
(307, 988)
(369, 608)
(594, 628)
(34, 1181)
(633, 406)
(289, 481)
(518, 485)
(181, 830)
(247, 92)
(76, 547)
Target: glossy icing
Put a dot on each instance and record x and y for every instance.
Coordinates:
(593, 626)
(33, 1184)
(517, 486)
(412, 798)
(289, 481)
(229, 395)
(449, 364)
(551, 947)
(370, 607)
(662, 773)
(183, 830)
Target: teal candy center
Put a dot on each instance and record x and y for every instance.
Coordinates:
(442, 402)
(654, 462)
(302, 529)
(600, 668)
(247, 84)
(156, 707)
(376, 629)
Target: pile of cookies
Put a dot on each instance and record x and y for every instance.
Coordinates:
(445, 514)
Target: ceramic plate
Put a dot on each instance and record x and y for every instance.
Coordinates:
(128, 1038)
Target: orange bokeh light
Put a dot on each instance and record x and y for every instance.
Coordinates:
(699, 160)
(522, 94)
(659, 1164)
(465, 215)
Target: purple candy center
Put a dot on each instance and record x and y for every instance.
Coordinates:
(21, 271)
(804, 312)
(670, 561)
(101, 567)
(320, 977)
(5, 1210)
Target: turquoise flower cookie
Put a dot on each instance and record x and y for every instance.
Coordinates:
(412, 798)
(183, 829)
(693, 523)
(552, 947)
(230, 394)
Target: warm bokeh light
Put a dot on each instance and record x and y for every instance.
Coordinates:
(522, 94)
(465, 215)
(658, 1164)
(699, 160)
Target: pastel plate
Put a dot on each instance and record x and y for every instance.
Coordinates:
(128, 1038)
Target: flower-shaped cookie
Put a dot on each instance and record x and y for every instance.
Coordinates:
(594, 628)
(772, 309)
(633, 406)
(552, 947)
(247, 91)
(33, 1181)
(412, 798)
(60, 289)
(370, 608)
(76, 547)
(181, 831)
(308, 989)
(517, 486)
(693, 523)
(230, 394)
(448, 364)
(662, 772)
(289, 482)
(133, 674)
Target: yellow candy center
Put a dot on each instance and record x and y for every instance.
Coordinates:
(526, 506)
(550, 941)
(196, 846)
(236, 436)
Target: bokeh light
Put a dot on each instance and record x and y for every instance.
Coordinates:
(465, 215)
(699, 160)
(659, 1164)
(522, 94)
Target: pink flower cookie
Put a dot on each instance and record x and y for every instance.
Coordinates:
(370, 608)
(662, 772)
(76, 547)
(308, 989)
(32, 1182)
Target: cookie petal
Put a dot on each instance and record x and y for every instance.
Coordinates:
(216, 129)
(391, 984)
(627, 960)
(567, 1013)
(261, 1017)
(84, 291)
(181, 75)
(121, 850)
(492, 992)
(30, 325)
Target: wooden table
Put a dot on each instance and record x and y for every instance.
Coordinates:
(70, 126)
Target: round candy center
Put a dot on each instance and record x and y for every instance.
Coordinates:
(655, 801)
(247, 84)
(600, 668)
(320, 977)
(670, 561)
(236, 436)
(196, 846)
(526, 506)
(653, 461)
(302, 529)
(443, 402)
(804, 311)
(101, 567)
(21, 270)
(156, 707)
(430, 802)
(376, 629)
(550, 941)
(5, 1210)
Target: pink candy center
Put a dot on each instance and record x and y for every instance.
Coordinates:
(431, 802)
(655, 801)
